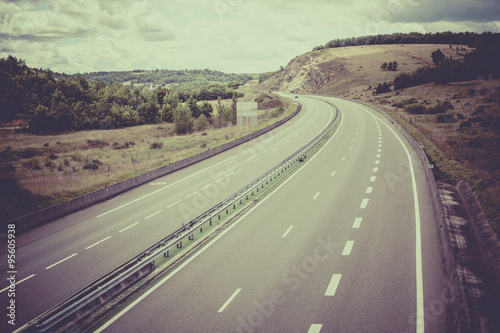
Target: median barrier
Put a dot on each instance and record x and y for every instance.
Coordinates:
(40, 217)
(81, 306)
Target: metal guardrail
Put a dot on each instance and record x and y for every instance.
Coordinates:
(84, 302)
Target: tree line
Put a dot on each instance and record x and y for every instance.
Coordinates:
(51, 104)
(480, 63)
(462, 38)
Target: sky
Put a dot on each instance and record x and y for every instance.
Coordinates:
(233, 36)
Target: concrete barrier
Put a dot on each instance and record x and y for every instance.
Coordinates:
(35, 219)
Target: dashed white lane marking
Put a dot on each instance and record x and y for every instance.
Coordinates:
(315, 328)
(163, 188)
(364, 203)
(369, 190)
(173, 204)
(348, 248)
(274, 149)
(316, 196)
(229, 300)
(332, 286)
(190, 195)
(204, 188)
(60, 261)
(218, 180)
(158, 212)
(375, 169)
(377, 161)
(379, 150)
(99, 242)
(287, 231)
(256, 159)
(350, 148)
(343, 159)
(380, 146)
(372, 178)
(130, 226)
(357, 222)
(26, 278)
(333, 173)
(378, 155)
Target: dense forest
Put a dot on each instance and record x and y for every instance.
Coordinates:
(51, 102)
(163, 76)
(471, 39)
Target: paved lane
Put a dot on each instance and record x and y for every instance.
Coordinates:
(334, 249)
(61, 257)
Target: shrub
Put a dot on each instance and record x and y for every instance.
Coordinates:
(201, 123)
(415, 108)
(94, 165)
(156, 145)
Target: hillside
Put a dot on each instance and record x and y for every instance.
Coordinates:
(457, 123)
(349, 70)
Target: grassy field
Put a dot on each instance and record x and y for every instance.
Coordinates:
(56, 168)
(463, 141)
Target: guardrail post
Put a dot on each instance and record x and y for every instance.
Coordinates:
(210, 221)
(166, 254)
(201, 229)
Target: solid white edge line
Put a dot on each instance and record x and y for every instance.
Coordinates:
(332, 286)
(130, 226)
(420, 323)
(347, 248)
(165, 187)
(203, 249)
(26, 278)
(236, 292)
(102, 240)
(315, 328)
(60, 261)
(287, 231)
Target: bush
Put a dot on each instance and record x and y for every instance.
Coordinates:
(94, 165)
(201, 123)
(156, 145)
(415, 108)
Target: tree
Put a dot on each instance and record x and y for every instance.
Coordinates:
(206, 109)
(193, 106)
(394, 65)
(183, 120)
(437, 56)
(389, 66)
(384, 66)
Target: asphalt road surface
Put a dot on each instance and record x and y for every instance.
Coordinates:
(58, 259)
(346, 244)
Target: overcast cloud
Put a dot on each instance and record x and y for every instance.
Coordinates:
(242, 36)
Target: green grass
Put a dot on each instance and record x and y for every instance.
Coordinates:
(451, 171)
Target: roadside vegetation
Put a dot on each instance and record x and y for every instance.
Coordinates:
(38, 170)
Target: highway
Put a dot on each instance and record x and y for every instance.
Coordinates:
(346, 244)
(58, 259)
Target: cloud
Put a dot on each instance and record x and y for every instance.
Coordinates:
(228, 35)
(450, 11)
